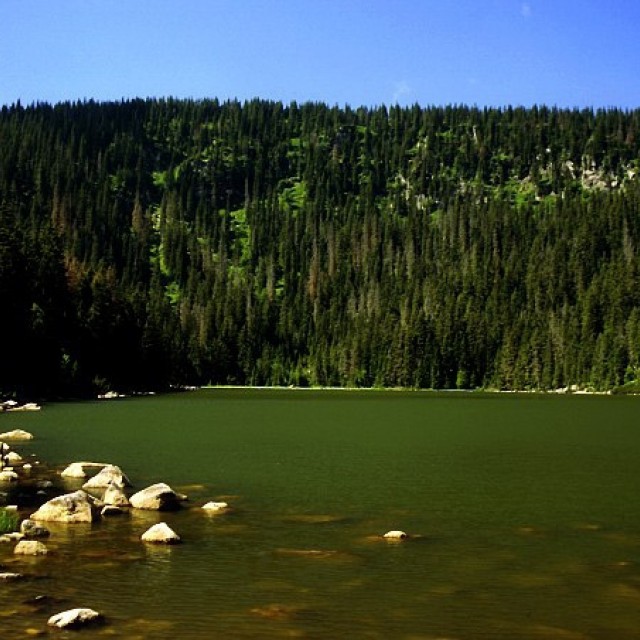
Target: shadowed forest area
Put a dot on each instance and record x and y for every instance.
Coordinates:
(149, 243)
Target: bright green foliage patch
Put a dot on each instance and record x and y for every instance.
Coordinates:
(8, 521)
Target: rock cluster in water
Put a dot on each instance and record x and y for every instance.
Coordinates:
(12, 405)
(81, 506)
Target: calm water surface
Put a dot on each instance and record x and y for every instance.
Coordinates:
(526, 512)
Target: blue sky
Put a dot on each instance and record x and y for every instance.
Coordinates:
(568, 53)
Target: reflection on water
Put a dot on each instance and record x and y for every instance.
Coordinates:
(523, 513)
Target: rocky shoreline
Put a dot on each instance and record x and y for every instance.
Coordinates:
(39, 498)
(26, 485)
(13, 405)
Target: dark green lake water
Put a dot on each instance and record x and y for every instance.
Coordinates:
(528, 508)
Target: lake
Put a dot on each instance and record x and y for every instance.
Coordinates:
(524, 512)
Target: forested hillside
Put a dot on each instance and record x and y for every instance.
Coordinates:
(155, 242)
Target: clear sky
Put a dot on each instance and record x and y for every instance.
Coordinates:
(570, 53)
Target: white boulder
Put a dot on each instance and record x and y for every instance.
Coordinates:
(160, 533)
(29, 406)
(8, 475)
(16, 434)
(395, 535)
(157, 497)
(74, 618)
(109, 475)
(76, 507)
(12, 457)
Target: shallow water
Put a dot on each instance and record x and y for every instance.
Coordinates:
(524, 511)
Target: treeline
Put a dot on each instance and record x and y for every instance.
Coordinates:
(155, 242)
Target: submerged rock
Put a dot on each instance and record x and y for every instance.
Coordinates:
(111, 510)
(14, 536)
(309, 553)
(16, 434)
(76, 507)
(8, 475)
(312, 518)
(277, 611)
(30, 548)
(75, 618)
(216, 507)
(8, 576)
(157, 497)
(109, 475)
(31, 529)
(161, 533)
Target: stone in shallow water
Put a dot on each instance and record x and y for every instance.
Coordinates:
(313, 518)
(111, 475)
(157, 497)
(16, 434)
(8, 475)
(74, 618)
(79, 469)
(216, 507)
(114, 495)
(310, 553)
(277, 611)
(76, 507)
(30, 548)
(32, 529)
(14, 536)
(161, 533)
(7, 576)
(395, 535)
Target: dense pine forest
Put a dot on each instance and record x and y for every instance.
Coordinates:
(149, 243)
